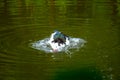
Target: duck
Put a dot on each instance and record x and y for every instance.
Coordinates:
(58, 41)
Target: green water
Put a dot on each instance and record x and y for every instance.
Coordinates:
(24, 21)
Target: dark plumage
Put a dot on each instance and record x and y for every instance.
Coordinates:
(59, 38)
(59, 41)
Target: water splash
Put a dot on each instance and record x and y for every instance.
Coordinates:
(75, 43)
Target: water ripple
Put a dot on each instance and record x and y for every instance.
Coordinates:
(14, 44)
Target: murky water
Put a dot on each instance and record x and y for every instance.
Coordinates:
(25, 21)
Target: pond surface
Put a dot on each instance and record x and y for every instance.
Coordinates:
(27, 21)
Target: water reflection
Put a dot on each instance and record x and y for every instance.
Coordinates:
(86, 73)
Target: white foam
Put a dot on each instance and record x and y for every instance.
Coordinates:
(45, 45)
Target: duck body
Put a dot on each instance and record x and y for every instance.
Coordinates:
(58, 41)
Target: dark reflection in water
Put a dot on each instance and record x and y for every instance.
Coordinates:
(86, 73)
(24, 21)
